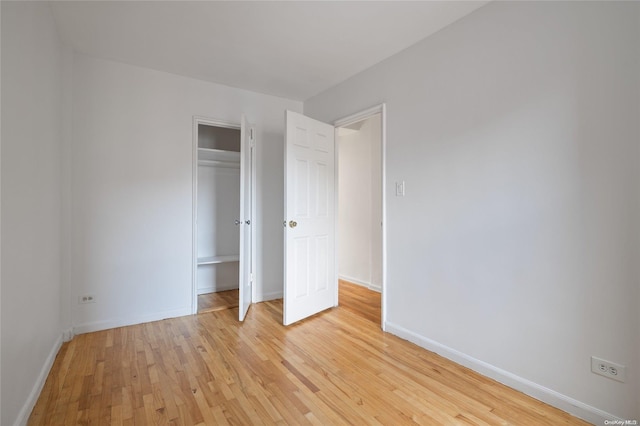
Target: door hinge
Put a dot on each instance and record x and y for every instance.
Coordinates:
(251, 277)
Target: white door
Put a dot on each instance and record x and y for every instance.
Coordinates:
(310, 282)
(246, 220)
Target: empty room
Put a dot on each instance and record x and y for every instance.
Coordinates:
(320, 212)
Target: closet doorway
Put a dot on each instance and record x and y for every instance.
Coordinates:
(223, 212)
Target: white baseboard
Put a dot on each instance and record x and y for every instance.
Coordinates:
(563, 402)
(361, 283)
(263, 297)
(122, 322)
(25, 411)
(68, 335)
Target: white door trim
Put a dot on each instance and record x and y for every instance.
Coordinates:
(254, 214)
(246, 271)
(354, 118)
(359, 116)
(194, 214)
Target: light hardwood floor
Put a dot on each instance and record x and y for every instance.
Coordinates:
(219, 301)
(361, 301)
(337, 367)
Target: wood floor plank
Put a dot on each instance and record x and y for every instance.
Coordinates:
(337, 367)
(366, 303)
(219, 301)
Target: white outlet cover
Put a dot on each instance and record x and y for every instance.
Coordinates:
(608, 369)
(86, 298)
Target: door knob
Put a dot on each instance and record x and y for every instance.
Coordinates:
(248, 222)
(237, 222)
(293, 223)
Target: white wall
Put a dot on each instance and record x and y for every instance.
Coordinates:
(218, 209)
(0, 216)
(359, 205)
(131, 243)
(515, 249)
(375, 135)
(32, 64)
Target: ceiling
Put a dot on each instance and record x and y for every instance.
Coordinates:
(293, 49)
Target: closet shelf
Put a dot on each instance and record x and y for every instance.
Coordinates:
(218, 259)
(206, 154)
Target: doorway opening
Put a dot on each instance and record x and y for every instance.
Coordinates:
(311, 209)
(360, 222)
(217, 216)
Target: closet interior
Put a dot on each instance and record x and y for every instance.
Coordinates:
(218, 210)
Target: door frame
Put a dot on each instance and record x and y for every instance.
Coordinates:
(197, 120)
(345, 121)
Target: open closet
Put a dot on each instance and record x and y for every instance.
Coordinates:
(218, 210)
(224, 173)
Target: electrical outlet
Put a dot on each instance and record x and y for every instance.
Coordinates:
(400, 189)
(608, 369)
(87, 298)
